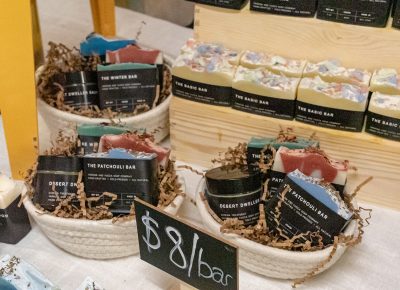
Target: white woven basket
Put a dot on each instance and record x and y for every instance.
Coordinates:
(52, 120)
(93, 239)
(269, 261)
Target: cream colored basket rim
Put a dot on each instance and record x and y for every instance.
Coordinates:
(264, 250)
(153, 113)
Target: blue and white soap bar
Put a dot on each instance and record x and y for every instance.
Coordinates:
(96, 44)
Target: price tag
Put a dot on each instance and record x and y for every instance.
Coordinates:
(184, 251)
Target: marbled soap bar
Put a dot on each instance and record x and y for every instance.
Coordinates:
(135, 54)
(14, 221)
(96, 44)
(333, 71)
(257, 144)
(332, 105)
(309, 205)
(204, 73)
(312, 162)
(383, 116)
(276, 64)
(386, 81)
(262, 92)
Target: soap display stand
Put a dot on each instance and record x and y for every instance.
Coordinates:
(52, 120)
(273, 262)
(213, 129)
(101, 240)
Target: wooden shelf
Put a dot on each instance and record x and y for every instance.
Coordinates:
(199, 132)
(301, 38)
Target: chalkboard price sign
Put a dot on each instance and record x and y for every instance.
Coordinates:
(184, 251)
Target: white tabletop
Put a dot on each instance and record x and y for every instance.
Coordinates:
(375, 264)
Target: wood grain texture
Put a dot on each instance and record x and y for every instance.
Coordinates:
(301, 38)
(199, 132)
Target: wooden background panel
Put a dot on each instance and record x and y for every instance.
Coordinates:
(199, 132)
(302, 38)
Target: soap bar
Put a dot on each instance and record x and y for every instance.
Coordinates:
(124, 173)
(332, 105)
(231, 4)
(383, 116)
(134, 142)
(257, 144)
(309, 205)
(14, 221)
(56, 179)
(303, 8)
(135, 54)
(89, 136)
(332, 71)
(386, 81)
(124, 87)
(276, 64)
(370, 13)
(204, 73)
(396, 14)
(312, 162)
(261, 92)
(96, 44)
(24, 275)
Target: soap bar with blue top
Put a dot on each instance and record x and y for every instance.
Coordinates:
(124, 173)
(309, 205)
(126, 86)
(96, 44)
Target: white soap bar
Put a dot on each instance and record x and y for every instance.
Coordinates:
(332, 71)
(385, 105)
(275, 63)
(262, 82)
(8, 191)
(386, 81)
(332, 95)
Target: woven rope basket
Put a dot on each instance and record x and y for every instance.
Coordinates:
(269, 261)
(93, 239)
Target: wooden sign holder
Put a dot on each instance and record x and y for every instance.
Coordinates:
(199, 132)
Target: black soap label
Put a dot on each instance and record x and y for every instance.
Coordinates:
(80, 89)
(265, 106)
(330, 118)
(203, 93)
(304, 8)
(277, 178)
(126, 178)
(361, 12)
(396, 15)
(124, 90)
(241, 206)
(300, 213)
(254, 156)
(88, 144)
(383, 126)
(232, 4)
(51, 187)
(14, 223)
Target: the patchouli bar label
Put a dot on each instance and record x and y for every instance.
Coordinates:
(203, 93)
(330, 118)
(383, 126)
(261, 105)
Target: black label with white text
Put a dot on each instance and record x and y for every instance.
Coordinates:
(304, 8)
(383, 126)
(232, 4)
(330, 118)
(242, 206)
(300, 212)
(126, 178)
(14, 223)
(124, 90)
(203, 93)
(88, 144)
(260, 105)
(396, 15)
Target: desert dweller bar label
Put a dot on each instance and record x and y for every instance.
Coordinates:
(305, 8)
(330, 118)
(261, 105)
(203, 93)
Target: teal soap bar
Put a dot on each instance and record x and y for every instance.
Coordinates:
(125, 66)
(96, 44)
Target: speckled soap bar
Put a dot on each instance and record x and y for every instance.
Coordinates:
(333, 105)
(386, 81)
